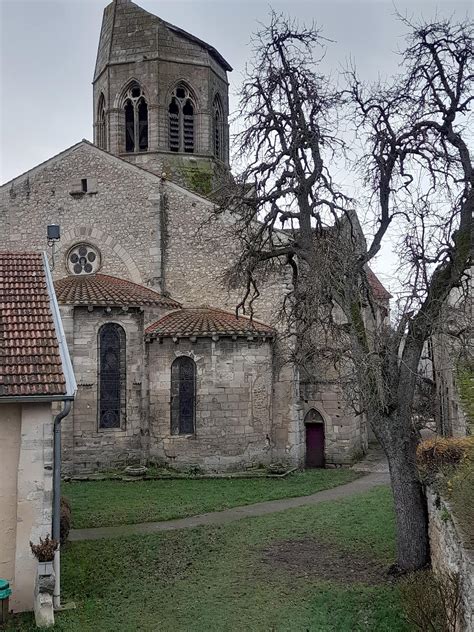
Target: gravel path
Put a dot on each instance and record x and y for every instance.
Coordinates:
(358, 486)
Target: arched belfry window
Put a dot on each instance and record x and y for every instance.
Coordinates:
(136, 119)
(181, 113)
(183, 395)
(218, 123)
(111, 376)
(101, 123)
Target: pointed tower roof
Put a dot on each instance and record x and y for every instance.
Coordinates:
(129, 33)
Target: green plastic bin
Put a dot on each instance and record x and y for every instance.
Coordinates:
(5, 592)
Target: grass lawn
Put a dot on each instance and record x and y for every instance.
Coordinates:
(246, 576)
(104, 503)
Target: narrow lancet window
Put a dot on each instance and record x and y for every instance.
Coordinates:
(112, 376)
(183, 396)
(101, 124)
(218, 129)
(136, 120)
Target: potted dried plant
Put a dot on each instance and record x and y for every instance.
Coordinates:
(44, 553)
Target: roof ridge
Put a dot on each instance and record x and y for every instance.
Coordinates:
(223, 311)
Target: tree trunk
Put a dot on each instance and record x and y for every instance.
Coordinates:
(411, 514)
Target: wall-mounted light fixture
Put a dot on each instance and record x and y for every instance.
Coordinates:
(54, 235)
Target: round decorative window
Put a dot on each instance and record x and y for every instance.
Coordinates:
(83, 259)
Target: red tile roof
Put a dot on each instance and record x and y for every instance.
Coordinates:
(377, 288)
(102, 289)
(30, 361)
(205, 321)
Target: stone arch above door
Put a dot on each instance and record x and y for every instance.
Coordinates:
(313, 416)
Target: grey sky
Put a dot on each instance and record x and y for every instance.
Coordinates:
(48, 50)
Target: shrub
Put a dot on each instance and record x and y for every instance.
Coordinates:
(65, 520)
(44, 551)
(442, 453)
(432, 601)
(458, 489)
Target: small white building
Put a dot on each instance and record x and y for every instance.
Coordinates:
(35, 372)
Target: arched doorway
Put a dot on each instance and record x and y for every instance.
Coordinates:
(314, 425)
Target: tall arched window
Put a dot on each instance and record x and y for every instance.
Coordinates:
(181, 120)
(101, 124)
(111, 376)
(218, 128)
(183, 395)
(136, 119)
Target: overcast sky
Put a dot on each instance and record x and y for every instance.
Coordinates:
(48, 51)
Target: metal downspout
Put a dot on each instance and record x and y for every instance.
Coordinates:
(56, 527)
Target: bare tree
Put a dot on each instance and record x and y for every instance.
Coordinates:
(290, 212)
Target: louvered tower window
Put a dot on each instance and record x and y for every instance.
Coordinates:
(181, 114)
(174, 125)
(183, 395)
(136, 120)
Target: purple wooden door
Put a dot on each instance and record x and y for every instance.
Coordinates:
(314, 445)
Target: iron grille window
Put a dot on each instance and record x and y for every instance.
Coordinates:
(112, 376)
(181, 121)
(183, 395)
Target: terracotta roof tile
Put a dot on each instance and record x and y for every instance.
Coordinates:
(102, 289)
(30, 362)
(377, 288)
(205, 321)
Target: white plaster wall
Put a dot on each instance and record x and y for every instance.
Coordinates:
(10, 429)
(34, 498)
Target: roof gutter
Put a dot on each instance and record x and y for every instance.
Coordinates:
(71, 386)
(56, 526)
(35, 399)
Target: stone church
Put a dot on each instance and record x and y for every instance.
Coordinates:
(166, 372)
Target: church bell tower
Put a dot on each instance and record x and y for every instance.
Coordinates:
(161, 97)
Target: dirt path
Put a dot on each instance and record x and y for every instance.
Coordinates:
(235, 513)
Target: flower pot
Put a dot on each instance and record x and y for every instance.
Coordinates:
(136, 470)
(45, 568)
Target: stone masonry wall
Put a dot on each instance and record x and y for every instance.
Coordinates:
(86, 447)
(121, 218)
(197, 254)
(198, 251)
(449, 552)
(233, 407)
(345, 434)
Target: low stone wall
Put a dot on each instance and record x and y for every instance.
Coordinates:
(449, 553)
